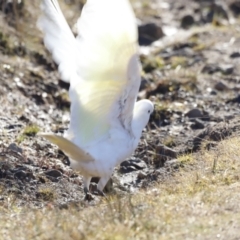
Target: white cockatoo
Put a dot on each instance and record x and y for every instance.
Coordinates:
(101, 64)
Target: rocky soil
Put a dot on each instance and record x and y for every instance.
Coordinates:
(190, 56)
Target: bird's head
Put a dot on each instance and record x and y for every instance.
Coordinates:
(142, 111)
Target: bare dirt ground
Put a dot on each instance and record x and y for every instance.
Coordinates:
(190, 56)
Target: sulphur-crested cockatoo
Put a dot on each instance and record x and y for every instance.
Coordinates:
(102, 66)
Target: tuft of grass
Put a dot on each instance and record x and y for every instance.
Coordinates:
(21, 138)
(28, 131)
(46, 194)
(152, 63)
(31, 130)
(178, 61)
(4, 44)
(169, 141)
(184, 159)
(200, 47)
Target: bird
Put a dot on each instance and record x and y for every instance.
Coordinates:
(102, 66)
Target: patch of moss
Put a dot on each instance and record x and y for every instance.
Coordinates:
(169, 141)
(21, 138)
(160, 107)
(45, 194)
(31, 130)
(4, 44)
(185, 158)
(199, 47)
(178, 61)
(152, 63)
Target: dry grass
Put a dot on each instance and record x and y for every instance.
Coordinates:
(201, 201)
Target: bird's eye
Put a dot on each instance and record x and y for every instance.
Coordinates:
(149, 111)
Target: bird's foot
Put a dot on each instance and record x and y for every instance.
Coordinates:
(88, 195)
(99, 193)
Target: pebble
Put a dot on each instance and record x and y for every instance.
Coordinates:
(187, 21)
(131, 165)
(198, 124)
(220, 86)
(164, 153)
(194, 113)
(15, 148)
(148, 33)
(141, 175)
(53, 173)
(226, 68)
(235, 55)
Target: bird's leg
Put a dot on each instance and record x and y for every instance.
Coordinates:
(86, 183)
(86, 190)
(101, 193)
(101, 184)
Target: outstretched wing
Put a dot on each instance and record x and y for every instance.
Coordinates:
(101, 65)
(58, 38)
(69, 148)
(109, 71)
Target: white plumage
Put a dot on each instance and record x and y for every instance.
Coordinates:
(102, 66)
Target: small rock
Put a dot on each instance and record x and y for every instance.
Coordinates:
(220, 86)
(210, 69)
(187, 21)
(124, 169)
(235, 7)
(132, 165)
(149, 33)
(139, 164)
(235, 55)
(13, 126)
(15, 148)
(227, 69)
(172, 162)
(141, 175)
(163, 154)
(2, 174)
(53, 173)
(41, 179)
(194, 113)
(20, 174)
(198, 124)
(234, 100)
(211, 91)
(63, 206)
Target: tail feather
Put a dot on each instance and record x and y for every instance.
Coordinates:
(69, 148)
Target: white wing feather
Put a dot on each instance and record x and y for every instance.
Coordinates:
(101, 65)
(58, 38)
(109, 71)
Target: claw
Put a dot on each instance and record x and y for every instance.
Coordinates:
(88, 195)
(99, 193)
